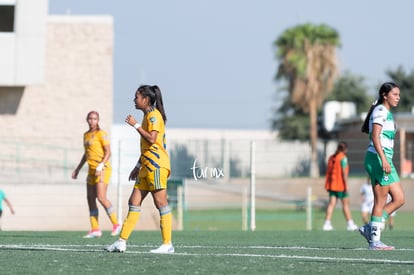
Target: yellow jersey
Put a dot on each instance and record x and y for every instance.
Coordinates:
(94, 143)
(154, 156)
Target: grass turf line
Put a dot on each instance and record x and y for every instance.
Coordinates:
(206, 252)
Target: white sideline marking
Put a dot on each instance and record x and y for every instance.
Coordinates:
(51, 246)
(297, 257)
(71, 248)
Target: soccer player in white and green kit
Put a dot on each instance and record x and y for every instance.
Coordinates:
(379, 124)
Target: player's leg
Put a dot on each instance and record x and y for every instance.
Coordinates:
(327, 226)
(351, 226)
(101, 193)
(134, 213)
(91, 195)
(364, 215)
(161, 202)
(377, 220)
(398, 198)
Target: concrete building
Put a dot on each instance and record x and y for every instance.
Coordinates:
(53, 70)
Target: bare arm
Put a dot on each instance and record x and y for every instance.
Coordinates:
(9, 205)
(107, 153)
(151, 137)
(345, 171)
(80, 165)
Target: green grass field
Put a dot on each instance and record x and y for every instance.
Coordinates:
(207, 252)
(278, 219)
(213, 243)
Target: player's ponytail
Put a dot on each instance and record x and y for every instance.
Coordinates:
(158, 102)
(155, 97)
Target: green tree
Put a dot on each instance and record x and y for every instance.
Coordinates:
(292, 123)
(406, 83)
(349, 87)
(307, 61)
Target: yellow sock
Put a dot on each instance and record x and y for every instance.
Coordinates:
(113, 218)
(94, 219)
(131, 220)
(166, 224)
(112, 215)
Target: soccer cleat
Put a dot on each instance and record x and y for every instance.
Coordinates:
(327, 227)
(96, 233)
(118, 246)
(116, 229)
(352, 227)
(380, 246)
(365, 231)
(164, 249)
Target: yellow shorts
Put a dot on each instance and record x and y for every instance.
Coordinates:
(153, 180)
(93, 179)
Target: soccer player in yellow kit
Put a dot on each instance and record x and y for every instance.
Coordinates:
(151, 171)
(97, 154)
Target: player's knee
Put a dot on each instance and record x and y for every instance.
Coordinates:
(401, 201)
(102, 198)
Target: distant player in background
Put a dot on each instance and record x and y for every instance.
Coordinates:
(380, 126)
(152, 169)
(4, 198)
(97, 154)
(367, 196)
(336, 183)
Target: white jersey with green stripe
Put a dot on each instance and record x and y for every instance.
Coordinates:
(382, 116)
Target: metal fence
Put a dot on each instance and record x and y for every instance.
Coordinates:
(217, 175)
(42, 161)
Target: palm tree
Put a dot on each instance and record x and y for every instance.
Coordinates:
(307, 56)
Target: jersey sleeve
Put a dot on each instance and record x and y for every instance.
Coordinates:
(103, 138)
(153, 121)
(344, 162)
(379, 115)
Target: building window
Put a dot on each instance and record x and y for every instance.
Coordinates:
(7, 18)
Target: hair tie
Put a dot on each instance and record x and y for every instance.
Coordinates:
(375, 102)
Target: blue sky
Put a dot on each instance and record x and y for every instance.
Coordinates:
(214, 60)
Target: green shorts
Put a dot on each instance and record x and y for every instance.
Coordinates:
(373, 166)
(339, 195)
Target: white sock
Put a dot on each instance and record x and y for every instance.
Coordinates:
(351, 222)
(375, 231)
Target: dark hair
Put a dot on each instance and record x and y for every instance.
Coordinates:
(154, 94)
(342, 146)
(383, 91)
